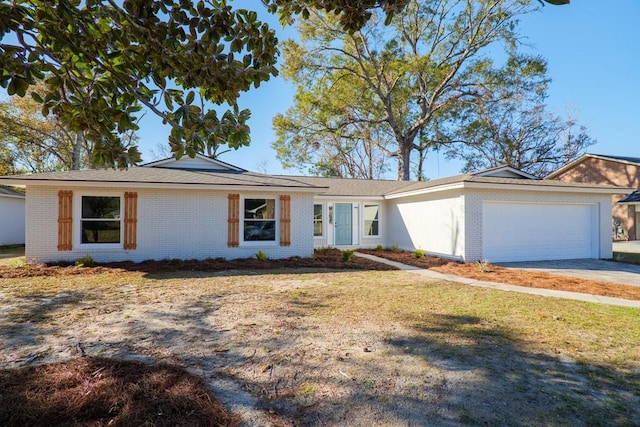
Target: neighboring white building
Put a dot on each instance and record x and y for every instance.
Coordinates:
(11, 217)
(202, 208)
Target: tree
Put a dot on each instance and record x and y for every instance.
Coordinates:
(397, 79)
(102, 60)
(518, 131)
(353, 15)
(314, 137)
(41, 144)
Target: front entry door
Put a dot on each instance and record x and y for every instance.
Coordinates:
(343, 224)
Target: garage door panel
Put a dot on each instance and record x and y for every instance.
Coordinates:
(528, 231)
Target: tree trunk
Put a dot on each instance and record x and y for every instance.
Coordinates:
(77, 151)
(404, 161)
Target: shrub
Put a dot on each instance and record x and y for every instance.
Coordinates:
(483, 266)
(85, 261)
(395, 248)
(347, 254)
(261, 256)
(379, 248)
(419, 253)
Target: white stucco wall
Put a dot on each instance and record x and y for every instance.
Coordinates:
(12, 220)
(184, 224)
(433, 222)
(474, 199)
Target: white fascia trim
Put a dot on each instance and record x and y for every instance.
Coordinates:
(436, 189)
(174, 186)
(11, 196)
(546, 188)
(322, 196)
(197, 156)
(492, 172)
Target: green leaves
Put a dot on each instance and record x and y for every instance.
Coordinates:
(101, 61)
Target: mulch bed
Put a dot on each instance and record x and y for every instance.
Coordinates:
(322, 259)
(531, 279)
(92, 391)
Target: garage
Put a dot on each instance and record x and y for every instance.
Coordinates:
(514, 231)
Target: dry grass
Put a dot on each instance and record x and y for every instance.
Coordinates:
(325, 347)
(12, 255)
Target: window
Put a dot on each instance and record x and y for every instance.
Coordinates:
(259, 220)
(100, 220)
(371, 220)
(317, 220)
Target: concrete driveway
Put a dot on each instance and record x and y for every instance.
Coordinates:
(632, 247)
(593, 269)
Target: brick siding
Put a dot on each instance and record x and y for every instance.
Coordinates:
(186, 224)
(600, 171)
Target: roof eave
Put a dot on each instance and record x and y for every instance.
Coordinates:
(161, 185)
(548, 188)
(427, 190)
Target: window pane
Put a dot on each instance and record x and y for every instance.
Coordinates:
(371, 228)
(371, 212)
(371, 222)
(317, 220)
(100, 231)
(260, 209)
(259, 230)
(100, 207)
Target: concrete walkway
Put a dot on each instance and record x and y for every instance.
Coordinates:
(504, 287)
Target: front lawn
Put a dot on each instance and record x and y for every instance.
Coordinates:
(323, 347)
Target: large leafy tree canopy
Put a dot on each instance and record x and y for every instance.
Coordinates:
(398, 81)
(102, 60)
(34, 143)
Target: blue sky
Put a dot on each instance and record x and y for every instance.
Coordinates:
(593, 50)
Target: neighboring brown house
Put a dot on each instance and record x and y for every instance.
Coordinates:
(620, 171)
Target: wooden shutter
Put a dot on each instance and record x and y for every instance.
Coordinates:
(285, 220)
(233, 226)
(65, 220)
(130, 220)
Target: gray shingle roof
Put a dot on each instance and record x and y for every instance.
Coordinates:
(622, 158)
(150, 175)
(473, 178)
(238, 179)
(8, 191)
(631, 198)
(353, 187)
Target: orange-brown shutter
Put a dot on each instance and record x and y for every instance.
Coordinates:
(65, 220)
(285, 220)
(233, 230)
(130, 220)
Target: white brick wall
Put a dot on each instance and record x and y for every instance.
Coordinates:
(432, 222)
(11, 220)
(186, 224)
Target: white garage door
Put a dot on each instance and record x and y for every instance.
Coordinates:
(531, 231)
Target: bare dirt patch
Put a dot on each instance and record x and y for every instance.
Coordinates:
(497, 274)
